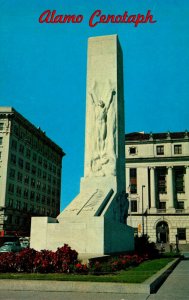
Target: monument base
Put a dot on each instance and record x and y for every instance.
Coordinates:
(97, 236)
(91, 223)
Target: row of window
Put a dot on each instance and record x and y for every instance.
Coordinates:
(19, 192)
(178, 180)
(28, 166)
(161, 176)
(159, 150)
(34, 181)
(37, 144)
(17, 220)
(177, 149)
(17, 204)
(32, 155)
(161, 205)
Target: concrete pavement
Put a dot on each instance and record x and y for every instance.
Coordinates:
(176, 287)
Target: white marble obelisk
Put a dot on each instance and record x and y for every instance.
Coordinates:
(94, 223)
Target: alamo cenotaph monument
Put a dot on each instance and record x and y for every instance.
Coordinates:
(94, 223)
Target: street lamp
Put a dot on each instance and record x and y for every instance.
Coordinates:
(143, 186)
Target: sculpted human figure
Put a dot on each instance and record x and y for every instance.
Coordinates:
(101, 114)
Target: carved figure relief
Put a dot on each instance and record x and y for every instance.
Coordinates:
(103, 157)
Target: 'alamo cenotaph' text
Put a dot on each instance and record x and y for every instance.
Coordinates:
(94, 223)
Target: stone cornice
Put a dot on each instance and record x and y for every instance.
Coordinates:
(157, 159)
(12, 114)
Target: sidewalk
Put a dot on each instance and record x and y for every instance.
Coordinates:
(176, 287)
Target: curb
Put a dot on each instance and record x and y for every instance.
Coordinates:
(149, 286)
(158, 279)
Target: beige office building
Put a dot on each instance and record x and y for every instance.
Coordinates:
(157, 180)
(30, 173)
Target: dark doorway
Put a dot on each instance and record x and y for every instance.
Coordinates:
(162, 232)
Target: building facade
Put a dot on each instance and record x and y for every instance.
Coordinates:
(157, 181)
(30, 173)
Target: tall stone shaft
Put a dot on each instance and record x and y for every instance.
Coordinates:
(105, 134)
(94, 223)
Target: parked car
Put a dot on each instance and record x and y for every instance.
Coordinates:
(10, 247)
(24, 244)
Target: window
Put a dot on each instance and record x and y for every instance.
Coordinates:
(160, 150)
(177, 149)
(33, 182)
(179, 180)
(54, 169)
(16, 130)
(18, 204)
(21, 148)
(38, 185)
(28, 153)
(34, 157)
(27, 166)
(38, 197)
(26, 194)
(43, 199)
(25, 206)
(14, 145)
(1, 140)
(40, 160)
(181, 232)
(49, 178)
(32, 195)
(44, 187)
(20, 163)
(133, 180)
(12, 173)
(39, 172)
(132, 150)
(162, 205)
(26, 179)
(161, 180)
(133, 205)
(180, 204)
(10, 203)
(13, 159)
(1, 126)
(19, 176)
(11, 188)
(58, 172)
(45, 164)
(34, 170)
(18, 191)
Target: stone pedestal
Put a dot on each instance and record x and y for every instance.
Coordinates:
(95, 221)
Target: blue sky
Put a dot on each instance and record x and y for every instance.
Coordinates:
(43, 70)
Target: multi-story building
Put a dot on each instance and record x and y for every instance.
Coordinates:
(30, 172)
(157, 180)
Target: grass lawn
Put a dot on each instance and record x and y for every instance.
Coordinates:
(134, 275)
